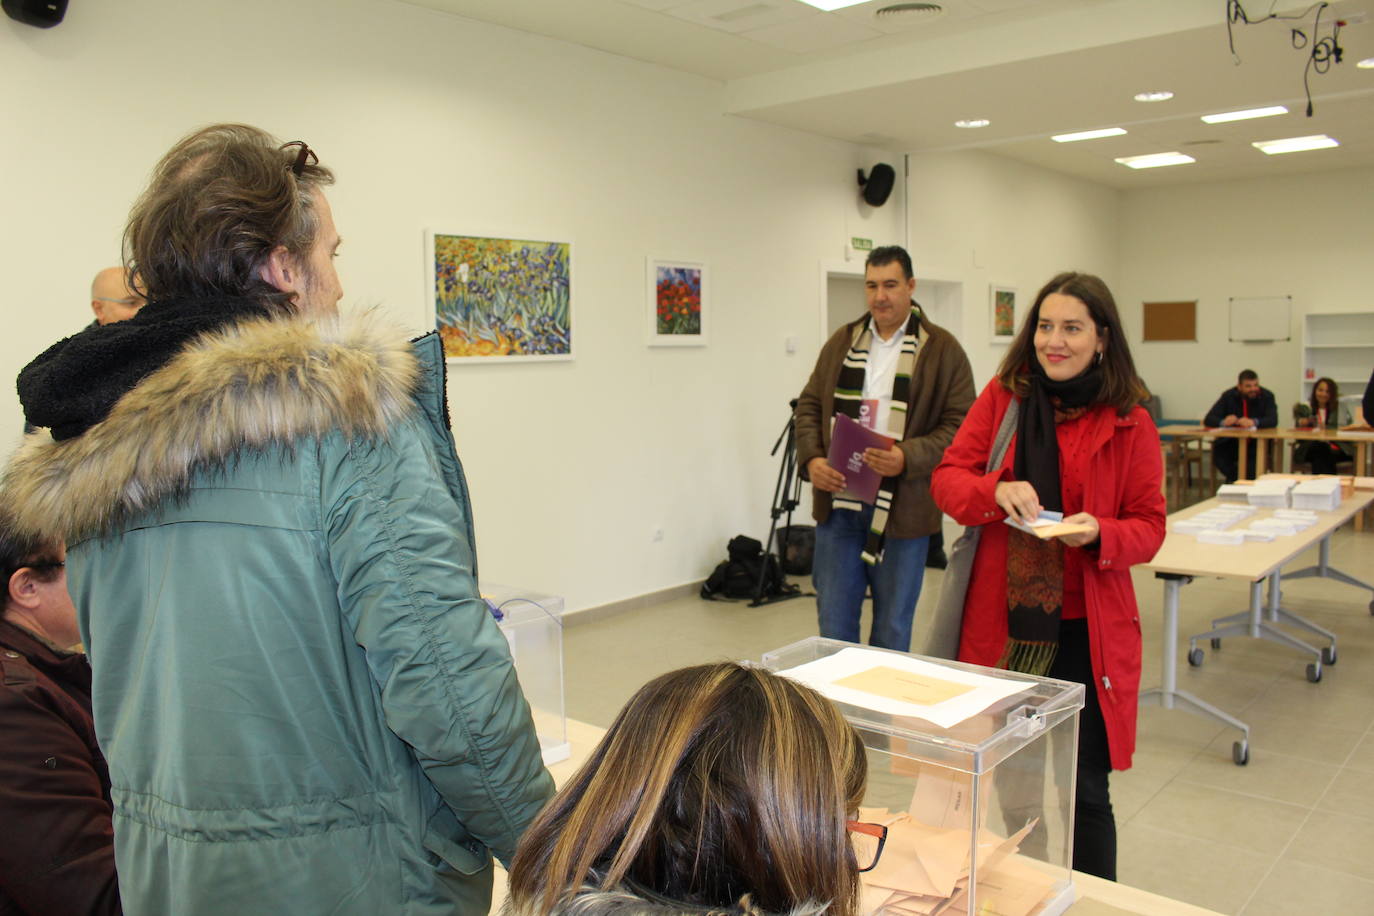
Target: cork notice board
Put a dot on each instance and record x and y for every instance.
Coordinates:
(1171, 320)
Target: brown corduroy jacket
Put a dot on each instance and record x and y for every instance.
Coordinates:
(56, 839)
(942, 392)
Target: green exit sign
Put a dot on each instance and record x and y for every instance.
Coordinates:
(861, 244)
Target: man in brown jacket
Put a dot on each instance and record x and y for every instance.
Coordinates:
(895, 372)
(56, 838)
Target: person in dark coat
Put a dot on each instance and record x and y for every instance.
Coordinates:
(1246, 406)
(1367, 405)
(57, 842)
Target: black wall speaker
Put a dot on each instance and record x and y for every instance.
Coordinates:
(43, 13)
(878, 185)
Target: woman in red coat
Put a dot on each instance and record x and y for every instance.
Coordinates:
(1064, 607)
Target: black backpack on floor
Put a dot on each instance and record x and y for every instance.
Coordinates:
(738, 577)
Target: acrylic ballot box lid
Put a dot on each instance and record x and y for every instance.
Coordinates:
(533, 626)
(976, 793)
(973, 746)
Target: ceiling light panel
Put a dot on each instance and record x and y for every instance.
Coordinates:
(1245, 115)
(1294, 144)
(1155, 160)
(1154, 95)
(829, 5)
(1088, 135)
(972, 123)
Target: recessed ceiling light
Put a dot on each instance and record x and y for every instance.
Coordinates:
(829, 5)
(1158, 95)
(1088, 135)
(973, 122)
(1247, 113)
(1155, 160)
(1294, 144)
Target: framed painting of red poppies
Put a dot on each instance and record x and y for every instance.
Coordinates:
(677, 303)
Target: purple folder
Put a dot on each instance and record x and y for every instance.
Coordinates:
(848, 439)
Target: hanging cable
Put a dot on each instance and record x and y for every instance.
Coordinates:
(1322, 50)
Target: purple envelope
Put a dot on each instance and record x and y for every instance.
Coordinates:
(848, 440)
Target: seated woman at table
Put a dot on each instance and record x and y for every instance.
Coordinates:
(1325, 411)
(719, 788)
(1063, 607)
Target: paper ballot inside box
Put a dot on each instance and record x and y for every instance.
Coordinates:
(904, 685)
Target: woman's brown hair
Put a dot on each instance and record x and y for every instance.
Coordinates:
(1333, 397)
(1121, 387)
(714, 782)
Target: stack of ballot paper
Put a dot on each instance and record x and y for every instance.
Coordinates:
(1218, 518)
(1321, 493)
(1271, 493)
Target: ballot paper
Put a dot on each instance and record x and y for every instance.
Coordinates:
(1049, 524)
(900, 685)
(925, 871)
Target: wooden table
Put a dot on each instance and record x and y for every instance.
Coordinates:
(1181, 558)
(1095, 896)
(1184, 433)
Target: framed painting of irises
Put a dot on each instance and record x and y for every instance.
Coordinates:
(501, 299)
(677, 303)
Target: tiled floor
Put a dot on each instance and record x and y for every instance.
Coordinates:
(1291, 833)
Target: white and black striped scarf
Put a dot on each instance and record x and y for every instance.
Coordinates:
(849, 393)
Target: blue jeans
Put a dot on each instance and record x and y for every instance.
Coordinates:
(840, 576)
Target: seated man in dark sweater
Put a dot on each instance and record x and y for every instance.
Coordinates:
(1246, 406)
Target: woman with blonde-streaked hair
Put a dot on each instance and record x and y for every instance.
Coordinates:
(719, 788)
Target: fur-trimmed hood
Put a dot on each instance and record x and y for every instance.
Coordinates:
(248, 386)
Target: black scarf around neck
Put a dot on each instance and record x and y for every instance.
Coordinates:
(75, 383)
(1035, 568)
(1037, 445)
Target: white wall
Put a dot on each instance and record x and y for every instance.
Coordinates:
(979, 219)
(1306, 236)
(431, 121)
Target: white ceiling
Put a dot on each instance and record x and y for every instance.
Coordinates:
(1032, 67)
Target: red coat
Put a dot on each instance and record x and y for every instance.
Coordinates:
(1123, 492)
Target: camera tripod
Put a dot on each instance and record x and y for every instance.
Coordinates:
(786, 497)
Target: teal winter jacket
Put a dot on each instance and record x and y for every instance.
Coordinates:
(305, 704)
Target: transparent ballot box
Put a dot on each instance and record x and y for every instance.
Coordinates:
(533, 625)
(971, 770)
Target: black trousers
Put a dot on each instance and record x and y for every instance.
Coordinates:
(1094, 826)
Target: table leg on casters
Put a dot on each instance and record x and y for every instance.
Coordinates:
(1167, 695)
(1256, 623)
(1324, 570)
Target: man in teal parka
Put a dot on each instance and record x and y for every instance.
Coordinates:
(305, 704)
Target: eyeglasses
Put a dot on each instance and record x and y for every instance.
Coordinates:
(305, 153)
(55, 564)
(868, 841)
(131, 300)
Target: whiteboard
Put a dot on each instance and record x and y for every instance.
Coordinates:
(1261, 318)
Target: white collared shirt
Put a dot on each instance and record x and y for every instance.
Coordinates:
(882, 369)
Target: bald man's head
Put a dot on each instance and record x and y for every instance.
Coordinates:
(112, 299)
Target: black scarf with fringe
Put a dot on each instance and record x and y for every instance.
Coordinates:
(1035, 568)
